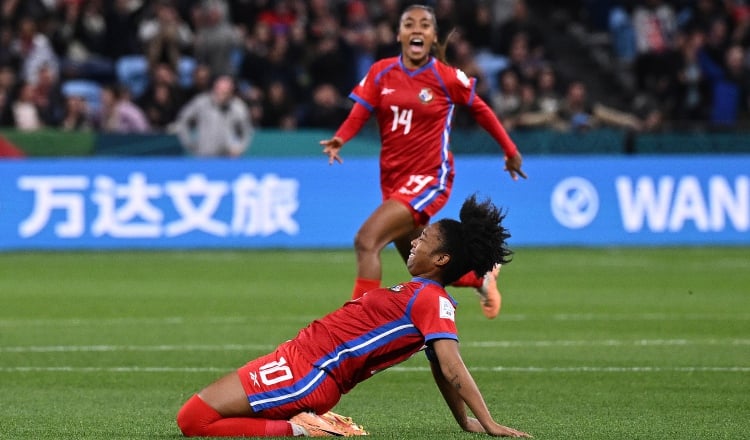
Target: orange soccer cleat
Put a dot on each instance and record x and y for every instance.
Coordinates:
(344, 424)
(489, 296)
(314, 425)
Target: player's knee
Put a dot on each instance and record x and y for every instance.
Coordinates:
(193, 417)
(364, 243)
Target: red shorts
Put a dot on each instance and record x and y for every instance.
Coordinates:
(423, 195)
(282, 384)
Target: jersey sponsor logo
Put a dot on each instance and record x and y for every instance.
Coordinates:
(447, 311)
(463, 78)
(425, 95)
(387, 91)
(254, 378)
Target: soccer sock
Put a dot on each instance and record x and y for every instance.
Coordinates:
(469, 279)
(362, 285)
(197, 419)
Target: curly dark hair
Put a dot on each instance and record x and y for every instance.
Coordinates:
(477, 242)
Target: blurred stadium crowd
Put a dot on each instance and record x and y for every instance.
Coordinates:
(645, 65)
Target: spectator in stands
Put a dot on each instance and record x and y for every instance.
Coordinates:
(34, 50)
(76, 117)
(122, 23)
(578, 114)
(548, 95)
(12, 11)
(523, 60)
(730, 87)
(201, 82)
(215, 37)
(267, 59)
(520, 23)
(8, 90)
(163, 98)
(278, 107)
(506, 103)
(463, 58)
(26, 115)
(48, 97)
(118, 113)
(165, 35)
(386, 44)
(690, 93)
(216, 123)
(480, 33)
(655, 26)
(328, 63)
(327, 110)
(83, 30)
(7, 55)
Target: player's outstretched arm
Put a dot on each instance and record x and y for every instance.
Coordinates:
(459, 390)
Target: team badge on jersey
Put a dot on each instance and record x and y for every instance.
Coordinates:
(425, 95)
(397, 288)
(447, 311)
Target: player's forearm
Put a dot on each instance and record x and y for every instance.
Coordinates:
(486, 118)
(462, 383)
(357, 118)
(452, 398)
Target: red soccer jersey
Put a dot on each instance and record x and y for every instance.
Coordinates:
(414, 109)
(382, 328)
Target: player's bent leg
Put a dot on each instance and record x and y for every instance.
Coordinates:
(196, 418)
(388, 222)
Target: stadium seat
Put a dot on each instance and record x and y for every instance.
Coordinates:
(132, 71)
(89, 90)
(185, 71)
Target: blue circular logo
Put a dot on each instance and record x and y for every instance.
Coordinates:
(574, 202)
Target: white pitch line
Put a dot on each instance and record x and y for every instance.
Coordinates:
(498, 369)
(114, 348)
(268, 347)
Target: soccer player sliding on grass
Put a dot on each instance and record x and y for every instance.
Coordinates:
(291, 391)
(414, 97)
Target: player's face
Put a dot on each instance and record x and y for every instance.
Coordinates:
(417, 34)
(422, 257)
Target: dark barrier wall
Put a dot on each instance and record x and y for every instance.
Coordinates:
(304, 202)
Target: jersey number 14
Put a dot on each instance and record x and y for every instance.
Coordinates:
(401, 117)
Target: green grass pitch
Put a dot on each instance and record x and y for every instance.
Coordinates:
(591, 343)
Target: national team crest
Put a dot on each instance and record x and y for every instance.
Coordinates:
(425, 95)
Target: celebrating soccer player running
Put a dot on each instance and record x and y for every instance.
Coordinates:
(413, 97)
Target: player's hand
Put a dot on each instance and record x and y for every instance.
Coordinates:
(513, 166)
(331, 147)
(472, 425)
(497, 430)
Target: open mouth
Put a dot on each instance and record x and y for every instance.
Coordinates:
(416, 43)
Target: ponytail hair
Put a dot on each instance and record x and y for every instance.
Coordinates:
(477, 242)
